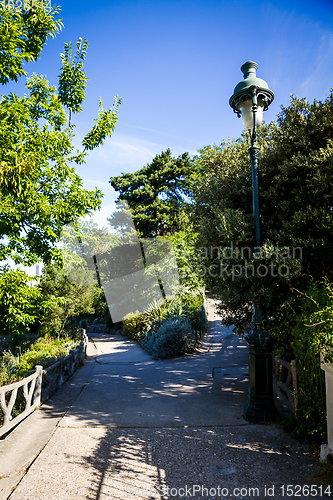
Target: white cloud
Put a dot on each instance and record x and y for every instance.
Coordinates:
(320, 69)
(124, 154)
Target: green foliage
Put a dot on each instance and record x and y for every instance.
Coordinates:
(40, 192)
(105, 125)
(8, 367)
(295, 172)
(155, 194)
(23, 34)
(174, 337)
(72, 79)
(133, 324)
(185, 307)
(75, 298)
(308, 338)
(83, 240)
(313, 326)
(45, 351)
(21, 305)
(139, 326)
(188, 260)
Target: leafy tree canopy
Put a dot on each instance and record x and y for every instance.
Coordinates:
(40, 191)
(23, 35)
(156, 194)
(21, 304)
(295, 179)
(72, 298)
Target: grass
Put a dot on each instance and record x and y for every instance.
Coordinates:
(45, 351)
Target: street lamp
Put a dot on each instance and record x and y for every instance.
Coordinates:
(250, 99)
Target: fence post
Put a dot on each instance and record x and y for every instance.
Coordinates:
(38, 387)
(294, 378)
(327, 449)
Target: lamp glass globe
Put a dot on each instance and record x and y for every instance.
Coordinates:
(245, 107)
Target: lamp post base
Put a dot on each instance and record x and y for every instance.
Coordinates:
(260, 406)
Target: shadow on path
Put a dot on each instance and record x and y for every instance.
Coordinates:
(146, 429)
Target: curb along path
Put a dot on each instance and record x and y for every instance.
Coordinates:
(127, 426)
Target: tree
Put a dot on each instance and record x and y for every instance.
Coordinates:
(295, 175)
(188, 260)
(84, 240)
(156, 194)
(40, 191)
(21, 305)
(76, 298)
(23, 35)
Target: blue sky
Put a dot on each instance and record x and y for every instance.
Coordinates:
(176, 63)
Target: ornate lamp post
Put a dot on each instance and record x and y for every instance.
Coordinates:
(250, 99)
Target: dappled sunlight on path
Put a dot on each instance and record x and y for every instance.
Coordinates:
(147, 464)
(146, 429)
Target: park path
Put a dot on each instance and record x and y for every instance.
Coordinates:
(129, 427)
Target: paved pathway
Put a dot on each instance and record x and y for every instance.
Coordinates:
(126, 425)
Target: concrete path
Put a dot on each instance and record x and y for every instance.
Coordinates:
(97, 436)
(129, 389)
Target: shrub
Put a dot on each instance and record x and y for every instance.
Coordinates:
(193, 301)
(188, 307)
(8, 367)
(173, 338)
(45, 352)
(154, 326)
(305, 340)
(133, 324)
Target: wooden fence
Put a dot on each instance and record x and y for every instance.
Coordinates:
(285, 382)
(203, 321)
(39, 386)
(32, 397)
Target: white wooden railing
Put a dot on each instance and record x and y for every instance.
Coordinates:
(327, 449)
(31, 394)
(39, 386)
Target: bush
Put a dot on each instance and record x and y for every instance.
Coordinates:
(305, 339)
(46, 351)
(142, 326)
(133, 324)
(173, 338)
(8, 367)
(18, 343)
(186, 306)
